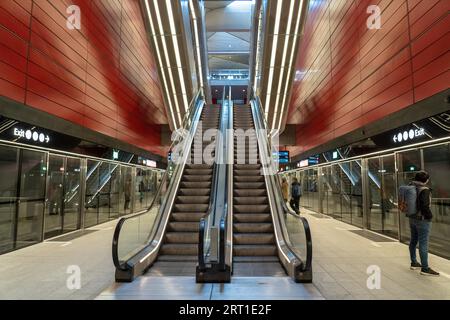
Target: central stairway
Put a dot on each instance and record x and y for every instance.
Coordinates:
(254, 247)
(178, 254)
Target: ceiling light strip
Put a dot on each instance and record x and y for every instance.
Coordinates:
(152, 26)
(177, 53)
(169, 69)
(258, 44)
(197, 42)
(273, 55)
(291, 60)
(283, 62)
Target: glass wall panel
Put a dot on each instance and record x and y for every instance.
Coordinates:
(382, 197)
(55, 191)
(104, 188)
(334, 198)
(437, 164)
(126, 190)
(92, 186)
(408, 162)
(139, 190)
(72, 195)
(33, 166)
(8, 196)
(115, 192)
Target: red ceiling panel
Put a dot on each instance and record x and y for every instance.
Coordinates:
(372, 71)
(102, 76)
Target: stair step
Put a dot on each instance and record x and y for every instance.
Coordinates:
(179, 249)
(253, 238)
(249, 185)
(197, 207)
(192, 200)
(249, 192)
(180, 258)
(183, 226)
(252, 217)
(240, 172)
(256, 259)
(196, 184)
(194, 192)
(249, 178)
(195, 172)
(181, 237)
(262, 227)
(250, 200)
(249, 208)
(254, 250)
(247, 166)
(194, 178)
(187, 216)
(198, 166)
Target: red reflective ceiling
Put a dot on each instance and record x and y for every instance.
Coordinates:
(102, 76)
(351, 75)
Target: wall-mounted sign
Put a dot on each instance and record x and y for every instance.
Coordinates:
(313, 160)
(283, 156)
(408, 135)
(335, 155)
(149, 163)
(31, 135)
(303, 163)
(115, 154)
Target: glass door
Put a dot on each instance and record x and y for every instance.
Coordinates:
(33, 167)
(55, 190)
(72, 195)
(9, 167)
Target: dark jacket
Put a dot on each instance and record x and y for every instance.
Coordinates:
(424, 200)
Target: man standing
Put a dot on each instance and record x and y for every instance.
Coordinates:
(420, 225)
(296, 192)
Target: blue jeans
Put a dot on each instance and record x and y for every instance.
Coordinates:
(420, 233)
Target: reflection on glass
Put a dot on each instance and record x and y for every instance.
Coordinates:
(54, 209)
(32, 192)
(72, 195)
(8, 196)
(92, 186)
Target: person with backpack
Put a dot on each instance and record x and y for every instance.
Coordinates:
(414, 201)
(296, 193)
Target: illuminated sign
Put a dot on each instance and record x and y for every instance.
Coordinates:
(406, 135)
(115, 154)
(31, 135)
(335, 155)
(283, 156)
(303, 163)
(149, 163)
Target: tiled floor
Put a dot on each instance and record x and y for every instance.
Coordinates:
(341, 259)
(185, 288)
(40, 271)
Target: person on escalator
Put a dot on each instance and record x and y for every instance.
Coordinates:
(296, 193)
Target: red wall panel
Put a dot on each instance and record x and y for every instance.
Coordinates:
(353, 75)
(102, 76)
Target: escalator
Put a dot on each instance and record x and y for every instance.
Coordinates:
(164, 238)
(269, 239)
(254, 249)
(180, 245)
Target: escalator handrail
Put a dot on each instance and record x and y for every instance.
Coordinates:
(210, 212)
(115, 244)
(306, 265)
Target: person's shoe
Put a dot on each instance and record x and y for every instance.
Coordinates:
(415, 266)
(429, 272)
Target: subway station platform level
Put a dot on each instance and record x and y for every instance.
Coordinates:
(341, 260)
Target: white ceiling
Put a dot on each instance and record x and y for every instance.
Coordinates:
(228, 25)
